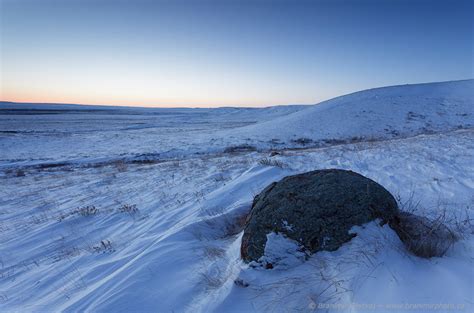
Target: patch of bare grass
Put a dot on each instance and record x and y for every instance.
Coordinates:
(271, 162)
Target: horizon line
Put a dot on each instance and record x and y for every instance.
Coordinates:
(228, 106)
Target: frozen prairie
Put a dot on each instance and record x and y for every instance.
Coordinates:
(110, 209)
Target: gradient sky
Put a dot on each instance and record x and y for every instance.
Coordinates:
(221, 53)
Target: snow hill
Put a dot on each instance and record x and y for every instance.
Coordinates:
(386, 112)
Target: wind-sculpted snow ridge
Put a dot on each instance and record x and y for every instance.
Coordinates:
(380, 113)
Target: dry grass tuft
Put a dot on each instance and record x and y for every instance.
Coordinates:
(271, 162)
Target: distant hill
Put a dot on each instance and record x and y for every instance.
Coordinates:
(377, 113)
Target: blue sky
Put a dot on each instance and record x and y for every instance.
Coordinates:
(220, 53)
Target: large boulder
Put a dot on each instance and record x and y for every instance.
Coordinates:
(423, 237)
(317, 209)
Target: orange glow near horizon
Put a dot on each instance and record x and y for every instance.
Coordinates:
(143, 89)
(224, 53)
(136, 103)
(114, 83)
(23, 97)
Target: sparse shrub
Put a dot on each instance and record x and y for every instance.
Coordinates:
(62, 216)
(145, 161)
(271, 162)
(423, 237)
(371, 139)
(462, 223)
(302, 141)
(435, 231)
(87, 210)
(219, 178)
(128, 208)
(356, 139)
(82, 211)
(240, 148)
(334, 141)
(105, 246)
(199, 195)
(66, 254)
(38, 219)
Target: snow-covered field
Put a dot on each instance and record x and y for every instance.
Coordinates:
(139, 210)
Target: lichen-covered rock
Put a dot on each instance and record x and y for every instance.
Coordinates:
(317, 209)
(423, 237)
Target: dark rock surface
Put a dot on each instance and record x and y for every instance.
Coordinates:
(423, 237)
(316, 208)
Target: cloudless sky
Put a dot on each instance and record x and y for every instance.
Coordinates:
(221, 53)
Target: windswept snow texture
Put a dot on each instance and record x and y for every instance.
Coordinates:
(137, 210)
(34, 134)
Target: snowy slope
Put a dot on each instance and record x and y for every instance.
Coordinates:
(178, 251)
(378, 113)
(163, 236)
